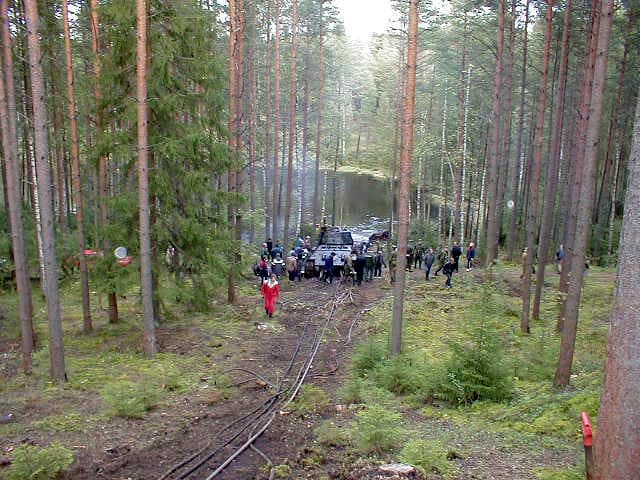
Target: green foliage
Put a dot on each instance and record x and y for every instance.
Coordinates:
(377, 429)
(429, 456)
(476, 370)
(282, 471)
(359, 390)
(130, 400)
(40, 463)
(60, 423)
(424, 232)
(563, 474)
(330, 434)
(367, 357)
(401, 375)
(312, 400)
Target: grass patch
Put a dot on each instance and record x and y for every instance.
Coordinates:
(40, 463)
(71, 422)
(430, 457)
(312, 400)
(377, 429)
(130, 400)
(332, 435)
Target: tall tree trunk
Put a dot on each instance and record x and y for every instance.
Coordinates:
(13, 194)
(443, 155)
(75, 165)
(236, 45)
(276, 125)
(268, 184)
(305, 149)
(56, 346)
(459, 181)
(546, 229)
(150, 343)
(293, 103)
(536, 171)
(608, 182)
(103, 173)
(464, 156)
(491, 244)
(512, 238)
(587, 193)
(405, 177)
(506, 113)
(319, 113)
(253, 117)
(578, 154)
(617, 445)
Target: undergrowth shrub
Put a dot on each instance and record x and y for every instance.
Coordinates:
(360, 390)
(400, 375)
(40, 463)
(377, 429)
(428, 456)
(575, 473)
(312, 400)
(476, 370)
(330, 434)
(130, 400)
(367, 357)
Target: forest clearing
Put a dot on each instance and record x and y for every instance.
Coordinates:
(322, 239)
(191, 395)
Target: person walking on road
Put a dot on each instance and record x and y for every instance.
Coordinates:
(427, 261)
(443, 257)
(378, 263)
(292, 266)
(359, 266)
(263, 269)
(448, 270)
(328, 268)
(471, 254)
(271, 292)
(277, 266)
(456, 253)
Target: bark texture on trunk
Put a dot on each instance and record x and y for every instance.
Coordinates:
(319, 113)
(405, 177)
(293, 103)
(146, 281)
(56, 346)
(516, 167)
(13, 193)
(586, 198)
(617, 443)
(75, 166)
(491, 243)
(275, 179)
(546, 228)
(536, 171)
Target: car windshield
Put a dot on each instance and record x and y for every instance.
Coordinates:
(337, 238)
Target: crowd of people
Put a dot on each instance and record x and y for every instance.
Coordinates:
(365, 263)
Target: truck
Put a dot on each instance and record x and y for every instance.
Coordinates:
(332, 240)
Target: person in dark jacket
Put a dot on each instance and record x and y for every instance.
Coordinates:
(409, 265)
(328, 268)
(471, 254)
(427, 261)
(448, 270)
(263, 268)
(368, 267)
(443, 257)
(378, 263)
(359, 266)
(456, 253)
(418, 256)
(277, 266)
(269, 245)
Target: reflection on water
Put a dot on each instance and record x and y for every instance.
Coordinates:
(363, 202)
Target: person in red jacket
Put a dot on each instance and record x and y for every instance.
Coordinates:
(271, 292)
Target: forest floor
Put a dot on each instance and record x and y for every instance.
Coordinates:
(193, 394)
